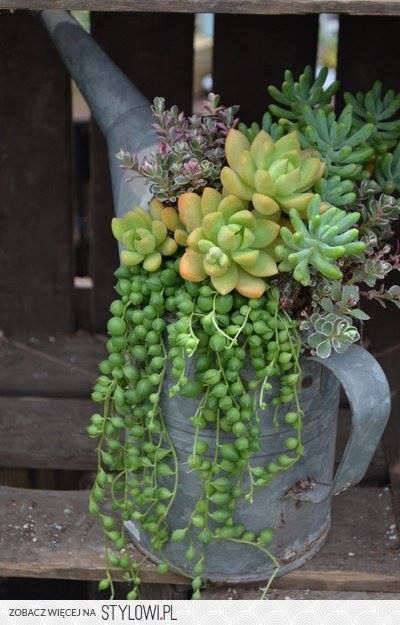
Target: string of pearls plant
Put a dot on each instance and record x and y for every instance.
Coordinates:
(219, 295)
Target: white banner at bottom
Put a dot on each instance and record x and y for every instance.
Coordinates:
(289, 612)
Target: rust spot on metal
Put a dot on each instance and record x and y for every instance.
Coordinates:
(302, 486)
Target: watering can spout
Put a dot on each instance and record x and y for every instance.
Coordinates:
(120, 109)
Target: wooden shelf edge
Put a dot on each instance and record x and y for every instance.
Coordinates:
(260, 7)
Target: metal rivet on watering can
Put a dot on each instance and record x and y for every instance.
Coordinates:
(298, 502)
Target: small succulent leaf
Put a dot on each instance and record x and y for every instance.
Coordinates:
(299, 201)
(181, 237)
(210, 200)
(211, 225)
(261, 149)
(264, 183)
(359, 314)
(264, 266)
(130, 259)
(250, 286)
(264, 204)
(227, 282)
(168, 247)
(243, 218)
(315, 339)
(192, 240)
(246, 169)
(265, 232)
(170, 218)
(145, 245)
(230, 205)
(189, 207)
(323, 350)
(118, 228)
(215, 269)
(204, 245)
(287, 143)
(159, 230)
(235, 185)
(191, 266)
(152, 262)
(236, 143)
(156, 208)
(245, 258)
(288, 183)
(227, 239)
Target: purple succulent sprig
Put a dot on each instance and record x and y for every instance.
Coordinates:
(190, 153)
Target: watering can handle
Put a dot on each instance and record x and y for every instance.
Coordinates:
(367, 390)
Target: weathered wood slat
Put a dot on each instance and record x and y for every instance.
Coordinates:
(49, 534)
(52, 535)
(273, 7)
(43, 433)
(32, 436)
(54, 366)
(244, 593)
(140, 44)
(246, 58)
(35, 208)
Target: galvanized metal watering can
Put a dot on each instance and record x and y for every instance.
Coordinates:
(297, 503)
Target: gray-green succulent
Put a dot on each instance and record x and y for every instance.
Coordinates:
(328, 235)
(331, 332)
(294, 96)
(343, 149)
(382, 110)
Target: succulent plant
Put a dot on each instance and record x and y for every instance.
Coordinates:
(273, 175)
(190, 152)
(331, 331)
(145, 239)
(387, 171)
(343, 149)
(170, 217)
(327, 236)
(226, 243)
(378, 212)
(335, 191)
(272, 128)
(307, 91)
(380, 110)
(372, 270)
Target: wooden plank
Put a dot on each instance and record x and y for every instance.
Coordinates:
(53, 366)
(140, 44)
(246, 593)
(69, 544)
(273, 7)
(252, 52)
(35, 164)
(359, 65)
(33, 433)
(51, 534)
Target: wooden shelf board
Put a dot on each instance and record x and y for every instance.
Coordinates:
(271, 7)
(50, 534)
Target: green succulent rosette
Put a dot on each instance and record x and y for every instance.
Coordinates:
(272, 175)
(145, 239)
(226, 243)
(328, 235)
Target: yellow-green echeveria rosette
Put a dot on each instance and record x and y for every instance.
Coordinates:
(272, 175)
(145, 239)
(226, 243)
